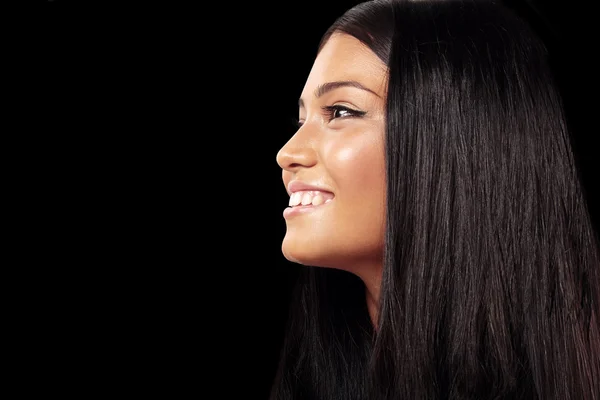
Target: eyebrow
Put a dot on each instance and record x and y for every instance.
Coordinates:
(329, 86)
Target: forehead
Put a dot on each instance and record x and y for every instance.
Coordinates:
(345, 58)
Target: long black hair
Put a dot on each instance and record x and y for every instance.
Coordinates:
(491, 280)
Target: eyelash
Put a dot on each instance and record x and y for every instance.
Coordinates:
(331, 110)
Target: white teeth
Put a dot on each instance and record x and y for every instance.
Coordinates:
(317, 200)
(305, 198)
(295, 199)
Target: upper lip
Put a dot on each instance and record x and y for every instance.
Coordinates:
(297, 186)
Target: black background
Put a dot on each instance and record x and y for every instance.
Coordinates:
(164, 122)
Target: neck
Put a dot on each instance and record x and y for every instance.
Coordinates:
(373, 306)
(372, 283)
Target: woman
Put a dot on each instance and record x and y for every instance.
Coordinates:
(435, 200)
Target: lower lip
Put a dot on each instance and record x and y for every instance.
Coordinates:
(299, 210)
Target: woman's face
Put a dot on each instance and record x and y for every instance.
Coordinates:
(339, 152)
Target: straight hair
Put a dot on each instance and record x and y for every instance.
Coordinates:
(490, 286)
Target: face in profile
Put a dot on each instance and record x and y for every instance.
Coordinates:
(334, 166)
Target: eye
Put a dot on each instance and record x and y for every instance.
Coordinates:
(333, 112)
(337, 111)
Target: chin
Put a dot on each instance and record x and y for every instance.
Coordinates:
(309, 258)
(298, 258)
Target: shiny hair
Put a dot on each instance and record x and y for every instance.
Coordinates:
(491, 280)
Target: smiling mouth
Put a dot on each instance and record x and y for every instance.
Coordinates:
(300, 209)
(310, 197)
(318, 203)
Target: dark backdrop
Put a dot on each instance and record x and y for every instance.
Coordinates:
(166, 122)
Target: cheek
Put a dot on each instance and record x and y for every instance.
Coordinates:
(357, 166)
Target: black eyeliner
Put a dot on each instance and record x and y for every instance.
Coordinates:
(330, 110)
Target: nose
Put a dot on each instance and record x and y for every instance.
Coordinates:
(296, 153)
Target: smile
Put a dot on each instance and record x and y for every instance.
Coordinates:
(302, 202)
